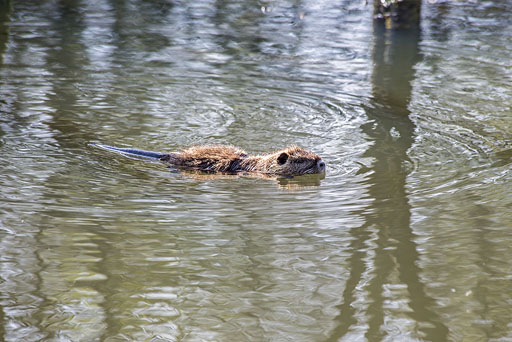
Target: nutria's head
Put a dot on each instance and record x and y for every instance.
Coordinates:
(294, 161)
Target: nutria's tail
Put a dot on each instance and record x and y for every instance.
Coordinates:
(135, 152)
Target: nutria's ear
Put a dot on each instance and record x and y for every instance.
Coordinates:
(283, 157)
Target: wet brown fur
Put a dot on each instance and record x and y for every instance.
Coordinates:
(229, 159)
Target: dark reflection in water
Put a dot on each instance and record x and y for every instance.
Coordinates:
(4, 15)
(5, 6)
(392, 133)
(396, 52)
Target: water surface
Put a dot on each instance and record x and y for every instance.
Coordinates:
(407, 238)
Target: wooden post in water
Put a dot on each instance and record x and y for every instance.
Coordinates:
(397, 13)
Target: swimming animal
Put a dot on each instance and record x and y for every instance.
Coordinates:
(290, 161)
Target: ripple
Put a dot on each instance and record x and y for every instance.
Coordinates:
(408, 225)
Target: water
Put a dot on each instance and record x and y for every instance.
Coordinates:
(407, 238)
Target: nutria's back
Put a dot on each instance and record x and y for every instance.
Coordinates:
(219, 158)
(215, 158)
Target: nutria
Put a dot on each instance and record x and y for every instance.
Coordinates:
(290, 161)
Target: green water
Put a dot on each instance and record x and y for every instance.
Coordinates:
(407, 238)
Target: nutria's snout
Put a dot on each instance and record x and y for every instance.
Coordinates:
(320, 165)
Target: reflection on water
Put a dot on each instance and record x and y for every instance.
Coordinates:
(395, 251)
(406, 238)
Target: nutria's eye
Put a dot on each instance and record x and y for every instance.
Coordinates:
(283, 157)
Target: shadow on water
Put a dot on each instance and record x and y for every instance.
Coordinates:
(388, 221)
(5, 7)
